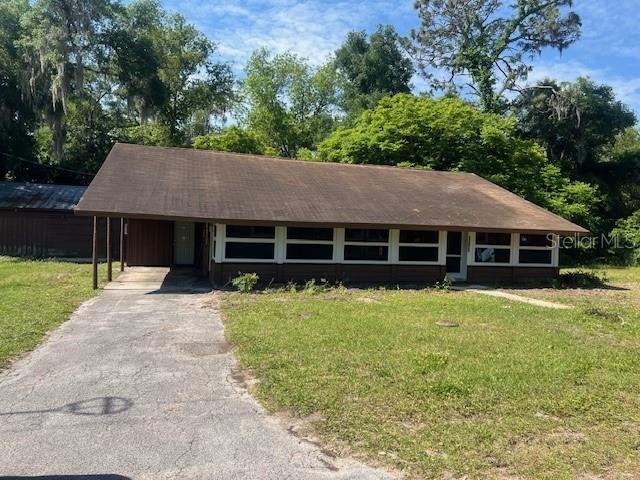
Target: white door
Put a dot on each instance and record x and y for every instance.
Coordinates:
(183, 243)
(457, 255)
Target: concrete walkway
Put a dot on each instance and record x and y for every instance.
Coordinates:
(139, 384)
(484, 290)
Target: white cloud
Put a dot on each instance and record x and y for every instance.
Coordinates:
(310, 28)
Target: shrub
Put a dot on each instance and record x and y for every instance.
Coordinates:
(314, 287)
(445, 284)
(579, 279)
(245, 282)
(627, 232)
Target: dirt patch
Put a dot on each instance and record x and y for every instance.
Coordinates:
(368, 300)
(204, 349)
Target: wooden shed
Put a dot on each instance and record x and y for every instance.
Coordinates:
(37, 220)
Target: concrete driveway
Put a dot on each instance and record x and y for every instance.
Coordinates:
(139, 384)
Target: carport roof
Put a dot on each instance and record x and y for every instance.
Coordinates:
(36, 196)
(174, 183)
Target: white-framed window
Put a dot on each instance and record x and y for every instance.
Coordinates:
(309, 245)
(366, 245)
(419, 246)
(249, 243)
(491, 248)
(536, 250)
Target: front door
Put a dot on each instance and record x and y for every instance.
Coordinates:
(457, 255)
(183, 243)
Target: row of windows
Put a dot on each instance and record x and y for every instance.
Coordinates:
(496, 248)
(364, 235)
(373, 245)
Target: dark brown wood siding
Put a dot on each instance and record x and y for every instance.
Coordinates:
(222, 273)
(490, 274)
(41, 234)
(149, 243)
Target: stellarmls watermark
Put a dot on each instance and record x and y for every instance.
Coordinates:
(602, 241)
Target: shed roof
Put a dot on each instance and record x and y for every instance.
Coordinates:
(157, 182)
(14, 195)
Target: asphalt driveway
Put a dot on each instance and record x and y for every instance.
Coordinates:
(139, 384)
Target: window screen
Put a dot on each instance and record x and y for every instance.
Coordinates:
(535, 256)
(487, 238)
(527, 240)
(418, 254)
(324, 234)
(242, 250)
(246, 231)
(492, 255)
(419, 236)
(309, 251)
(454, 243)
(366, 252)
(366, 235)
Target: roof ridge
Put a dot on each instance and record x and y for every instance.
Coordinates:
(297, 160)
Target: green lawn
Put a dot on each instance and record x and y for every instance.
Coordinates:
(515, 391)
(36, 296)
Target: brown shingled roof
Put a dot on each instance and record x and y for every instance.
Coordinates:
(156, 182)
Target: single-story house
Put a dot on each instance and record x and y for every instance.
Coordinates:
(286, 219)
(37, 220)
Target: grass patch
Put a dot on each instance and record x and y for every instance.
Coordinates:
(36, 296)
(513, 390)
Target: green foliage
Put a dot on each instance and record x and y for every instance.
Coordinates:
(445, 284)
(575, 122)
(627, 233)
(151, 133)
(232, 139)
(371, 68)
(539, 393)
(37, 296)
(313, 287)
(16, 117)
(586, 133)
(580, 279)
(289, 101)
(245, 282)
(490, 42)
(448, 134)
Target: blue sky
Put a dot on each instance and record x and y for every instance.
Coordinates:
(609, 50)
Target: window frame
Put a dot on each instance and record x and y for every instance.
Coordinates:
(514, 253)
(387, 244)
(437, 245)
(471, 253)
(333, 242)
(222, 230)
(553, 248)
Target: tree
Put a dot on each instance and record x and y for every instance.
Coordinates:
(16, 117)
(62, 42)
(582, 127)
(449, 134)
(371, 68)
(289, 102)
(232, 139)
(198, 87)
(488, 43)
(575, 122)
(136, 40)
(627, 233)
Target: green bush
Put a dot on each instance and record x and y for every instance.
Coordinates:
(627, 234)
(579, 279)
(232, 139)
(245, 282)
